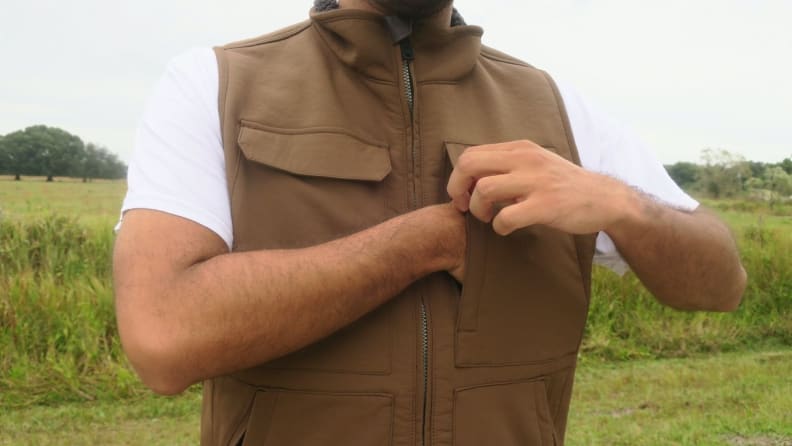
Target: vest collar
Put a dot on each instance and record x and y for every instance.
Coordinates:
(363, 40)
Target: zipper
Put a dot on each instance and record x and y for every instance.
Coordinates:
(408, 55)
(425, 345)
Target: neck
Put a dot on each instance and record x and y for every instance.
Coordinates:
(443, 16)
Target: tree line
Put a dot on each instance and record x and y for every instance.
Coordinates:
(726, 175)
(52, 152)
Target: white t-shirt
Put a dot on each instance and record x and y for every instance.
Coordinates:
(178, 165)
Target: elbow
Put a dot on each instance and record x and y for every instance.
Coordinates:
(723, 299)
(732, 298)
(154, 356)
(728, 298)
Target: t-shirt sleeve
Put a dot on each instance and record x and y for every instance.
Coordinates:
(178, 164)
(610, 148)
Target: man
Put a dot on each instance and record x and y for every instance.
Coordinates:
(292, 244)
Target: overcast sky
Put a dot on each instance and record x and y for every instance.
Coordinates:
(685, 74)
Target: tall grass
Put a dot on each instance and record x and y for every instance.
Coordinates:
(58, 338)
(626, 322)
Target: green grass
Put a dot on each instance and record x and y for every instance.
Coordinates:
(738, 399)
(649, 375)
(95, 203)
(146, 420)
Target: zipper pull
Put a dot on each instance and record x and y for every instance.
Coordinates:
(408, 54)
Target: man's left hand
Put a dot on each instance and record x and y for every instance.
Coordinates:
(533, 185)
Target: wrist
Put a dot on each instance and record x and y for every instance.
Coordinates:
(627, 206)
(440, 235)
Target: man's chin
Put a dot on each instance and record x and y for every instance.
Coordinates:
(413, 9)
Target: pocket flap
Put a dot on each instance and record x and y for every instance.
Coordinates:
(503, 414)
(454, 150)
(325, 153)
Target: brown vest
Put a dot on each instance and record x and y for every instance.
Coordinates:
(329, 128)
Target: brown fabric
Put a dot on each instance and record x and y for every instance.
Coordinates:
(320, 143)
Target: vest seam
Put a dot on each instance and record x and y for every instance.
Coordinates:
(566, 373)
(495, 58)
(278, 36)
(518, 363)
(311, 131)
(276, 396)
(425, 83)
(456, 391)
(315, 27)
(310, 391)
(232, 172)
(564, 118)
(377, 81)
(232, 191)
(245, 419)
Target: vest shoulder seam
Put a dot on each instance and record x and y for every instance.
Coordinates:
(497, 56)
(274, 37)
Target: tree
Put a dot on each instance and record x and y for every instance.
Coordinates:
(98, 162)
(724, 173)
(58, 152)
(757, 168)
(683, 173)
(19, 154)
(787, 165)
(777, 180)
(3, 156)
(53, 152)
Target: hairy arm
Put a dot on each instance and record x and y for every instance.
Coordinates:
(188, 310)
(687, 260)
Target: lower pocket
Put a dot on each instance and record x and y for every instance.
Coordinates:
(281, 418)
(509, 414)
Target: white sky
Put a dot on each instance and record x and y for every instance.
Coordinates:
(685, 74)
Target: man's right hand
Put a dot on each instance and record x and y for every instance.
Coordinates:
(188, 310)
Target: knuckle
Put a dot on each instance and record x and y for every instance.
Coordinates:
(522, 157)
(505, 221)
(485, 187)
(464, 163)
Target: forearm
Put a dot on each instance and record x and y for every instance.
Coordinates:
(688, 260)
(234, 311)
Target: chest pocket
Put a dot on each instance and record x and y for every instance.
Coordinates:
(300, 188)
(523, 299)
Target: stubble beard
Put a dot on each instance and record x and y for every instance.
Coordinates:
(412, 9)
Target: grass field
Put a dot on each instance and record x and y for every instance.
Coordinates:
(648, 375)
(97, 202)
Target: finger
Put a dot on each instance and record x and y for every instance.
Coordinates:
(498, 147)
(493, 190)
(516, 216)
(470, 167)
(505, 146)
